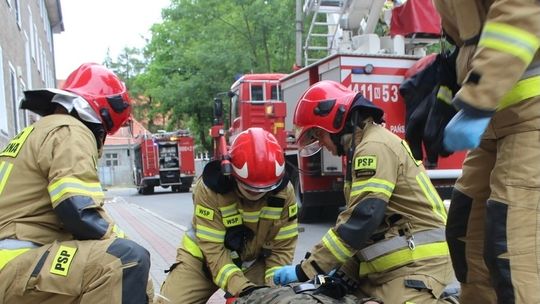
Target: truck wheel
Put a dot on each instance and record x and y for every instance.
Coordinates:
(186, 184)
(148, 190)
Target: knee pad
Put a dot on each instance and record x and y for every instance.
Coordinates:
(456, 227)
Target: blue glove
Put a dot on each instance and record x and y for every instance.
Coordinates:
(285, 275)
(464, 131)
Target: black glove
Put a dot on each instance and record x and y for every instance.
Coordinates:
(236, 238)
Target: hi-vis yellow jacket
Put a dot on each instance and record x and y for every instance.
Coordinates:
(272, 220)
(47, 162)
(411, 236)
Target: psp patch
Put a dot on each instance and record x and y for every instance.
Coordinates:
(365, 166)
(62, 260)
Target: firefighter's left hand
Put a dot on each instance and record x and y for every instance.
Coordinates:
(285, 275)
(464, 131)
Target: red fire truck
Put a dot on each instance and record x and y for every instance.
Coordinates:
(164, 159)
(367, 63)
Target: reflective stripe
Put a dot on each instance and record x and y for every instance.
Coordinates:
(524, 89)
(272, 213)
(287, 232)
(223, 275)
(445, 94)
(431, 195)
(510, 39)
(403, 257)
(209, 234)
(336, 247)
(228, 210)
(251, 216)
(191, 246)
(399, 242)
(376, 185)
(119, 232)
(73, 186)
(6, 255)
(17, 244)
(270, 272)
(5, 170)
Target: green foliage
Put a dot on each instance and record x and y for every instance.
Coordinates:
(196, 52)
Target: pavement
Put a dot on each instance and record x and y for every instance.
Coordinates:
(159, 236)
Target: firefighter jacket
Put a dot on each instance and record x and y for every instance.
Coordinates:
(504, 38)
(46, 163)
(411, 230)
(220, 212)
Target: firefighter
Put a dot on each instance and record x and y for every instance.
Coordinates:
(391, 236)
(493, 219)
(57, 244)
(244, 225)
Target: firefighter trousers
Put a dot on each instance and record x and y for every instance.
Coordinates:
(188, 282)
(493, 228)
(93, 271)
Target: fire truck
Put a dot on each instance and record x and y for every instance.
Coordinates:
(341, 45)
(164, 159)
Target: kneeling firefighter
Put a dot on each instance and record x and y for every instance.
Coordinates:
(389, 242)
(57, 243)
(244, 225)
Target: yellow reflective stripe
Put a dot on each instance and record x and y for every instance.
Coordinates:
(119, 232)
(270, 272)
(511, 40)
(445, 94)
(228, 210)
(190, 246)
(287, 232)
(373, 185)
(524, 89)
(5, 170)
(251, 216)
(431, 195)
(209, 234)
(272, 213)
(403, 257)
(336, 247)
(224, 273)
(73, 186)
(7, 255)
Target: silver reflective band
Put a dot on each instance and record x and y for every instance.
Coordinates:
(532, 70)
(399, 242)
(16, 244)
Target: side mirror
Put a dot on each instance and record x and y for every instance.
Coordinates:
(218, 108)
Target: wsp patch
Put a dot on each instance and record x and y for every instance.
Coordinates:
(62, 260)
(204, 212)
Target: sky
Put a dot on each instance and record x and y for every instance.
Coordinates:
(93, 26)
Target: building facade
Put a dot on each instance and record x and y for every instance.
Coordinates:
(26, 57)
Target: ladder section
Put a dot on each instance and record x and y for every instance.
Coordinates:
(321, 36)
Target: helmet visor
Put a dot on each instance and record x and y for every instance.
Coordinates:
(308, 143)
(257, 189)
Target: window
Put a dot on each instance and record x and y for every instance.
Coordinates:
(3, 108)
(111, 159)
(257, 93)
(274, 92)
(17, 12)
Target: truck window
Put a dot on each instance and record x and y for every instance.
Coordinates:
(235, 107)
(257, 93)
(274, 92)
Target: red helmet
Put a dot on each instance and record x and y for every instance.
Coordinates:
(104, 92)
(325, 105)
(257, 159)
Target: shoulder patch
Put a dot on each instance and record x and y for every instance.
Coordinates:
(15, 145)
(204, 212)
(365, 162)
